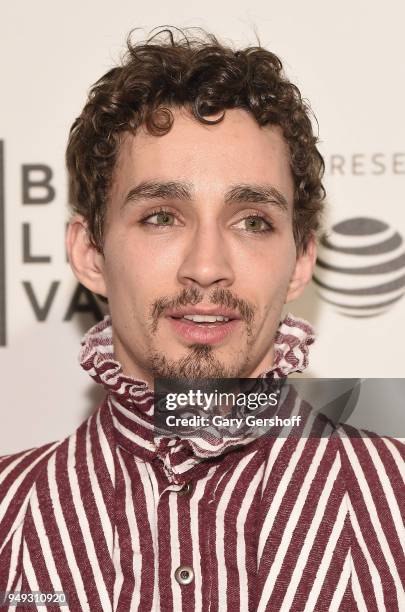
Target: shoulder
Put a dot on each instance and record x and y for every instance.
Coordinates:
(16, 466)
(369, 457)
(374, 472)
(18, 473)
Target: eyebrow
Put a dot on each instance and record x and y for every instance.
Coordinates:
(178, 190)
(256, 194)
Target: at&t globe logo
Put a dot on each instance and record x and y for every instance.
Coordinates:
(361, 267)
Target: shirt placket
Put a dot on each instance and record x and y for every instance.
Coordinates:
(178, 576)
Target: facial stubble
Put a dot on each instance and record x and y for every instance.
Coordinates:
(200, 360)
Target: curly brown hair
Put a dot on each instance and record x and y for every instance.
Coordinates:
(176, 69)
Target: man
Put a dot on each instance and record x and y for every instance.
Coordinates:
(196, 190)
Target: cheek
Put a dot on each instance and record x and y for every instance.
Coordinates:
(121, 271)
(267, 268)
(266, 286)
(136, 272)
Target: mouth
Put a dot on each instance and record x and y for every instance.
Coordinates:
(203, 326)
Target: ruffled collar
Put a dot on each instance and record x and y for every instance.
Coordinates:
(131, 401)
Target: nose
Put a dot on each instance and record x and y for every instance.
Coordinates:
(206, 260)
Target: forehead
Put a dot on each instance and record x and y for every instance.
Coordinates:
(210, 157)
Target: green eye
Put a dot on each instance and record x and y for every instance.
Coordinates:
(160, 217)
(164, 218)
(255, 224)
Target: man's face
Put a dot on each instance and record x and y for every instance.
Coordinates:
(199, 226)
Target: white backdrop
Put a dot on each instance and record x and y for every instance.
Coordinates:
(347, 59)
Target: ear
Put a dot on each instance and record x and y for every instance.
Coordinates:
(302, 274)
(85, 260)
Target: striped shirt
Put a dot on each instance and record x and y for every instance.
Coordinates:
(120, 519)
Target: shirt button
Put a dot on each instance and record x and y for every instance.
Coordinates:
(184, 574)
(187, 489)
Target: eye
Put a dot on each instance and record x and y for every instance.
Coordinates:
(159, 217)
(255, 223)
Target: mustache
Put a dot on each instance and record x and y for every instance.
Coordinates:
(190, 296)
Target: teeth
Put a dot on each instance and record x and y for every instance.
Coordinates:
(205, 318)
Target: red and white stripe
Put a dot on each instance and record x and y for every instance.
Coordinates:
(314, 524)
(308, 523)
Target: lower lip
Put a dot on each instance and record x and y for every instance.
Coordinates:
(203, 333)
